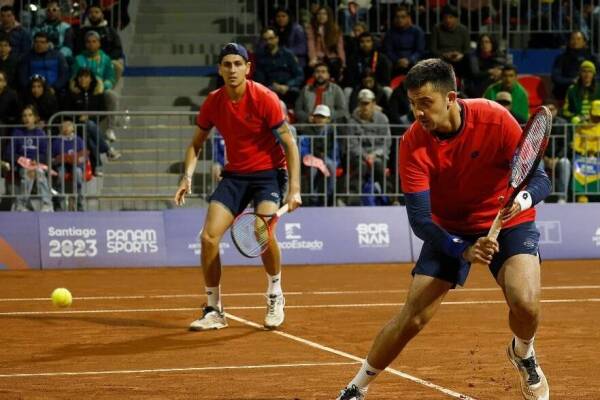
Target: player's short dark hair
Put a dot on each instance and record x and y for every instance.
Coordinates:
(438, 73)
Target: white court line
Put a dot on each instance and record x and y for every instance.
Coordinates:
(392, 371)
(191, 369)
(250, 294)
(308, 306)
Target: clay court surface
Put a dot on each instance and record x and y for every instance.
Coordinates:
(126, 337)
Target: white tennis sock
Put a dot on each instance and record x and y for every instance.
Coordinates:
(213, 295)
(524, 348)
(274, 282)
(365, 375)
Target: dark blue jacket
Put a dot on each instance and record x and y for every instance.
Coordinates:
(404, 43)
(281, 67)
(20, 40)
(52, 65)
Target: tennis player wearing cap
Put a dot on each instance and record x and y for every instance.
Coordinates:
(259, 147)
(454, 164)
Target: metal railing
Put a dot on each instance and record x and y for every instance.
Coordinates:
(343, 167)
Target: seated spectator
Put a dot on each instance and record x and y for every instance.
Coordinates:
(87, 95)
(9, 62)
(94, 59)
(371, 148)
(9, 104)
(369, 81)
(581, 94)
(39, 94)
(368, 58)
(353, 12)
(60, 33)
(399, 111)
(109, 39)
(291, 35)
(320, 155)
(28, 155)
(586, 148)
(565, 70)
(509, 83)
(485, 66)
(403, 43)
(505, 100)
(277, 68)
(19, 38)
(46, 62)
(321, 91)
(326, 43)
(351, 44)
(69, 158)
(450, 40)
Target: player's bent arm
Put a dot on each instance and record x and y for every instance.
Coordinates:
(539, 187)
(293, 163)
(418, 207)
(193, 151)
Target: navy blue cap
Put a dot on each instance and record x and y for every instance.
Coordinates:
(233, 48)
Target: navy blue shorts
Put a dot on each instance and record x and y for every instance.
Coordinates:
(519, 239)
(236, 191)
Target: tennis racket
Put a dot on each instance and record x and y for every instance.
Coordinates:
(251, 232)
(526, 159)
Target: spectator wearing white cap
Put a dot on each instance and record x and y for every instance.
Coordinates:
(371, 147)
(505, 100)
(320, 156)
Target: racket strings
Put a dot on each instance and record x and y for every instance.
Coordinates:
(251, 234)
(528, 154)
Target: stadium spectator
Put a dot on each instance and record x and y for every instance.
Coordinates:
(9, 104)
(403, 43)
(96, 60)
(450, 40)
(39, 94)
(320, 155)
(87, 95)
(557, 159)
(399, 110)
(60, 34)
(110, 40)
(68, 158)
(352, 12)
(368, 58)
(509, 83)
(326, 43)
(586, 148)
(371, 148)
(277, 68)
(46, 62)
(581, 94)
(485, 66)
(19, 38)
(369, 81)
(505, 100)
(28, 155)
(565, 70)
(9, 61)
(351, 42)
(291, 35)
(321, 91)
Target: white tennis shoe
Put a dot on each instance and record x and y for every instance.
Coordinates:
(211, 319)
(534, 385)
(353, 393)
(275, 314)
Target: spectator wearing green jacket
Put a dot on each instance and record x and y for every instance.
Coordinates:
(581, 94)
(508, 83)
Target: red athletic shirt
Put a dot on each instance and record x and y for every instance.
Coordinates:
(466, 173)
(247, 127)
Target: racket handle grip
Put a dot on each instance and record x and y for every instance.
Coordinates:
(282, 210)
(496, 226)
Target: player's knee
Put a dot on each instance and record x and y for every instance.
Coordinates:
(208, 240)
(526, 308)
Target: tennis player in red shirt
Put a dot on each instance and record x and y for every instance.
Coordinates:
(259, 146)
(454, 164)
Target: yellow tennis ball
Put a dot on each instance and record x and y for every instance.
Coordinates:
(61, 297)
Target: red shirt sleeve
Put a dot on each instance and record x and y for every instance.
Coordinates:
(273, 114)
(412, 166)
(203, 119)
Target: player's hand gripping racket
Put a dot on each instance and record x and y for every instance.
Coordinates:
(251, 232)
(526, 159)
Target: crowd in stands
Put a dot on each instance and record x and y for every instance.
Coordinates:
(57, 60)
(337, 69)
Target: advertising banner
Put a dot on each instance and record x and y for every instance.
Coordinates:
(19, 241)
(102, 239)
